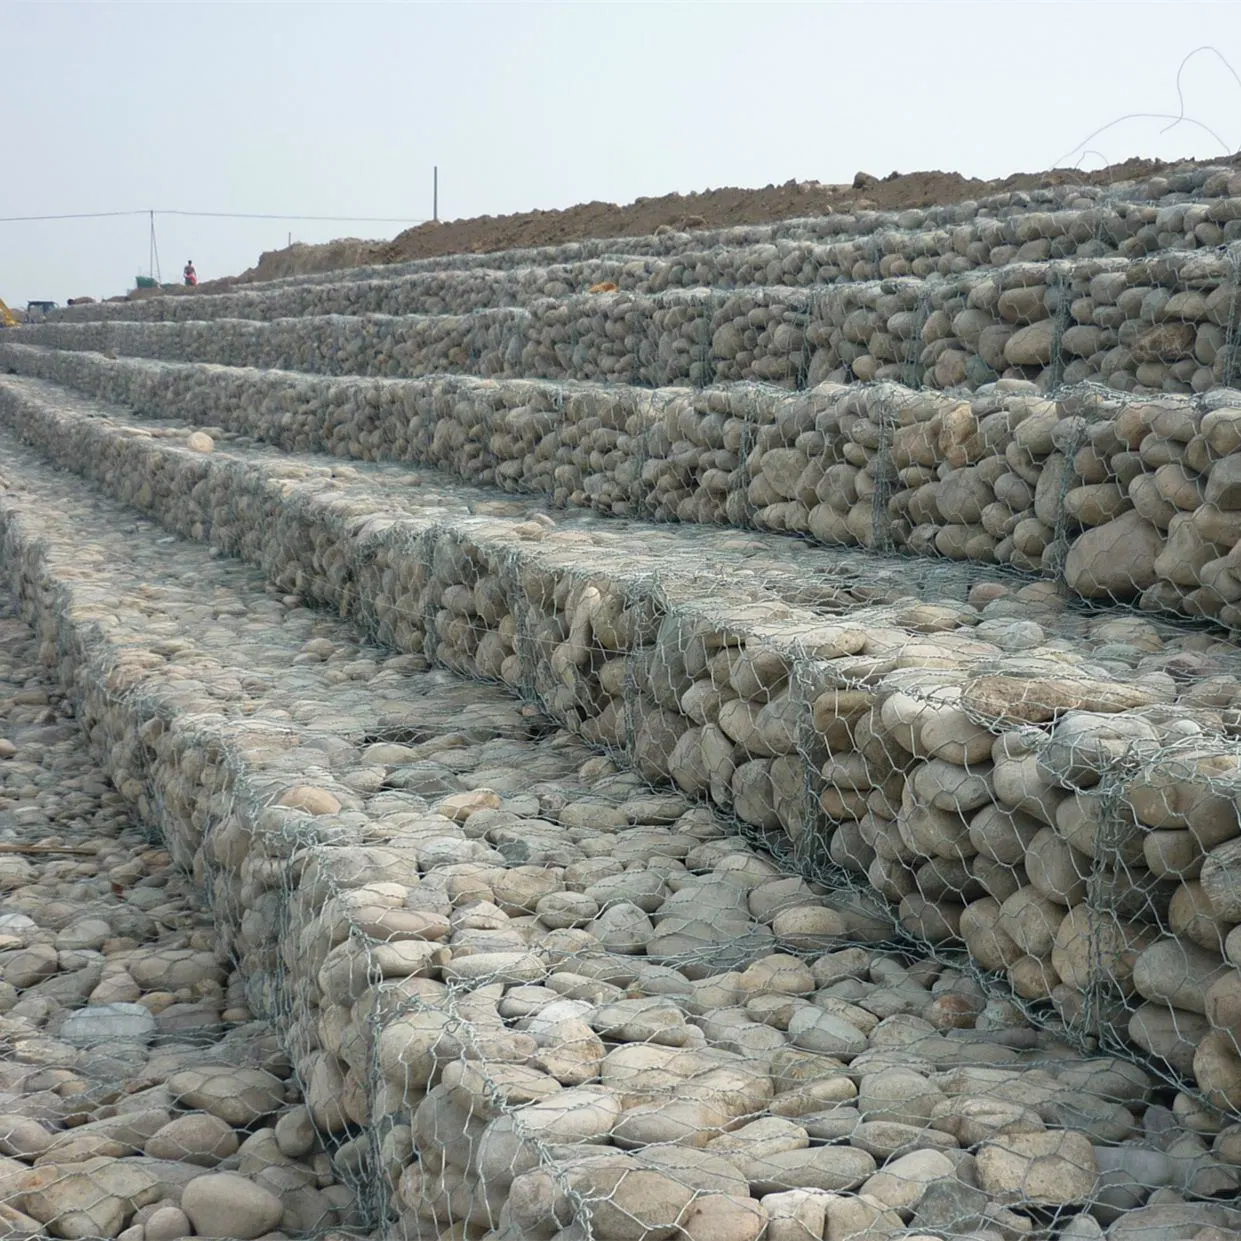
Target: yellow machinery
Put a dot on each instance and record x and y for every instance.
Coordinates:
(7, 317)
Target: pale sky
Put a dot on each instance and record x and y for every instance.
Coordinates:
(342, 109)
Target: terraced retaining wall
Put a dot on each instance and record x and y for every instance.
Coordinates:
(1122, 498)
(1033, 236)
(481, 1047)
(1055, 792)
(1166, 323)
(576, 1008)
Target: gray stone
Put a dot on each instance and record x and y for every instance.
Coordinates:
(108, 1024)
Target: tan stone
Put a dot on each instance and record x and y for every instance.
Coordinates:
(238, 1096)
(223, 1204)
(1054, 1168)
(723, 1217)
(459, 806)
(1115, 560)
(1038, 700)
(1092, 943)
(903, 1180)
(310, 799)
(1217, 1066)
(198, 1138)
(1221, 879)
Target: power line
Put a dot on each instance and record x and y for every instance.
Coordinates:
(220, 215)
(74, 215)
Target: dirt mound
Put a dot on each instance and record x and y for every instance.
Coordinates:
(684, 212)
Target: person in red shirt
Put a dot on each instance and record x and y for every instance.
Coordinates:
(191, 276)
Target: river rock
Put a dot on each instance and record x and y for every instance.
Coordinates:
(1054, 1168)
(902, 1181)
(223, 1204)
(108, 1024)
(199, 1138)
(238, 1096)
(1115, 560)
(834, 1168)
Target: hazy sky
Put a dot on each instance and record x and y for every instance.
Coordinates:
(342, 109)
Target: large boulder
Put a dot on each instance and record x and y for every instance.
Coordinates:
(1115, 560)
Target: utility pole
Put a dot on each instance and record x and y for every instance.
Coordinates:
(156, 274)
(435, 193)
